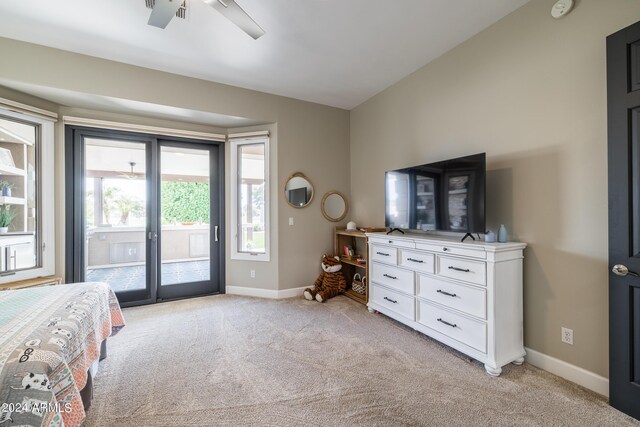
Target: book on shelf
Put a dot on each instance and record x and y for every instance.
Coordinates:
(348, 251)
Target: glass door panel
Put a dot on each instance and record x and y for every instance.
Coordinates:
(185, 220)
(115, 214)
(147, 214)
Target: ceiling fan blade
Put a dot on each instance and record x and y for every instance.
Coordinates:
(234, 13)
(163, 11)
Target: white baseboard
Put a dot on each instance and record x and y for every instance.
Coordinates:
(573, 373)
(265, 293)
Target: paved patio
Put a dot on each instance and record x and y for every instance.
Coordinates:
(133, 277)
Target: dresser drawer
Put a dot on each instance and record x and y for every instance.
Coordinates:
(394, 242)
(468, 299)
(395, 301)
(420, 261)
(385, 254)
(461, 328)
(453, 250)
(398, 279)
(462, 269)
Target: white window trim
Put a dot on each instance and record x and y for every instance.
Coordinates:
(235, 254)
(47, 211)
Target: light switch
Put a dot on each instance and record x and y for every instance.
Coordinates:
(291, 221)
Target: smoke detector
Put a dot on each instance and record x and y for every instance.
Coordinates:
(561, 8)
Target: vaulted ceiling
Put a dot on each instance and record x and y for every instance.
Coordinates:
(332, 52)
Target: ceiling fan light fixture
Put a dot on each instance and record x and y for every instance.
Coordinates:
(131, 174)
(164, 10)
(180, 13)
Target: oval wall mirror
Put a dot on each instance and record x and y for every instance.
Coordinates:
(334, 206)
(298, 190)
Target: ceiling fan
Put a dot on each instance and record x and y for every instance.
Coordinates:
(165, 10)
(132, 174)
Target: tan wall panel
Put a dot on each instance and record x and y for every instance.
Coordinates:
(531, 92)
(311, 138)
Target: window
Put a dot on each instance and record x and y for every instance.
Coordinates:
(250, 199)
(26, 196)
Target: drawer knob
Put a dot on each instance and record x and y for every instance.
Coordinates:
(391, 242)
(445, 249)
(440, 291)
(415, 260)
(390, 300)
(453, 325)
(464, 270)
(382, 253)
(390, 277)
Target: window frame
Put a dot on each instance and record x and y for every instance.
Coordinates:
(236, 254)
(45, 187)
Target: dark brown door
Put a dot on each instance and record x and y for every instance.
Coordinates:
(623, 89)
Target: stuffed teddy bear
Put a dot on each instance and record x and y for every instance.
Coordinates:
(330, 283)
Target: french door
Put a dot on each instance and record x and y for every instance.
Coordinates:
(144, 214)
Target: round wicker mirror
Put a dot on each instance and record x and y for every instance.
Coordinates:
(334, 206)
(298, 190)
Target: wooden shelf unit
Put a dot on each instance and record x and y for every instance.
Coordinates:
(18, 157)
(358, 241)
(22, 154)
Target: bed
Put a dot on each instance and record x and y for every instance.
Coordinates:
(51, 339)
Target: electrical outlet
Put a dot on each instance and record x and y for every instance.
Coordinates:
(253, 274)
(567, 335)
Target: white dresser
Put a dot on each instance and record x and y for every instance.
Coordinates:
(466, 295)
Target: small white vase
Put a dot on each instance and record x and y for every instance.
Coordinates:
(4, 230)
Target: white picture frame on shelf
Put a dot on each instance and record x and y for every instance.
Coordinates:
(6, 159)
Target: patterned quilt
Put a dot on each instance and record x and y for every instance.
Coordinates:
(49, 337)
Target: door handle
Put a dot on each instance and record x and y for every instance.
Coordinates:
(7, 258)
(215, 233)
(622, 270)
(153, 236)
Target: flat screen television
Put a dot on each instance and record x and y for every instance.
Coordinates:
(443, 196)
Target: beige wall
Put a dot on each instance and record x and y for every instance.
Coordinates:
(531, 92)
(311, 138)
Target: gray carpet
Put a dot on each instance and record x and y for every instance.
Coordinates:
(230, 360)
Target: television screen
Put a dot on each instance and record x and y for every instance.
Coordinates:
(298, 196)
(447, 196)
